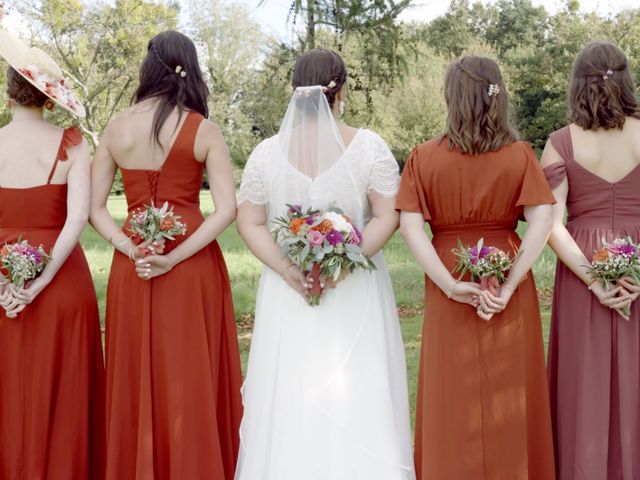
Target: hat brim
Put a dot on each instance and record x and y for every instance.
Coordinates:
(18, 56)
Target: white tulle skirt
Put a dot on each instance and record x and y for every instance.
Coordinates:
(325, 396)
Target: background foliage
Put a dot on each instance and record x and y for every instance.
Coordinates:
(395, 69)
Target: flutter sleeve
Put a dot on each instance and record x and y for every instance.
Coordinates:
(252, 186)
(535, 189)
(412, 197)
(384, 177)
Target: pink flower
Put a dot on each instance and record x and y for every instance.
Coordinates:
(334, 237)
(315, 238)
(356, 237)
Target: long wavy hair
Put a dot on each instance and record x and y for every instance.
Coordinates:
(478, 117)
(601, 90)
(171, 73)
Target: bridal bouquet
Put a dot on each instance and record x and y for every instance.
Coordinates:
(615, 260)
(323, 241)
(486, 263)
(153, 224)
(21, 262)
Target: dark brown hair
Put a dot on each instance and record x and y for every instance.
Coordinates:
(160, 77)
(21, 91)
(601, 91)
(320, 67)
(478, 118)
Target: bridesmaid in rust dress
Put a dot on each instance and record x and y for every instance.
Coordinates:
(593, 165)
(482, 408)
(173, 366)
(51, 366)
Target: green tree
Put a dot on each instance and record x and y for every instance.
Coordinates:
(99, 46)
(230, 44)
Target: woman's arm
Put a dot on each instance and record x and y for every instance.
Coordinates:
(419, 243)
(222, 188)
(103, 171)
(567, 250)
(560, 241)
(78, 181)
(252, 226)
(382, 225)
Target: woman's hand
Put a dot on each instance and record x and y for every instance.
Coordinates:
(296, 279)
(329, 282)
(11, 305)
(617, 298)
(153, 266)
(489, 304)
(631, 286)
(27, 294)
(465, 292)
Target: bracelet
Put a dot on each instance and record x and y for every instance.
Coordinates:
(453, 287)
(132, 254)
(284, 270)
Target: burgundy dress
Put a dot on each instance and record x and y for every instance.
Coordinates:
(594, 354)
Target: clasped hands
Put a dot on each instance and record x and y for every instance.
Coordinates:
(150, 261)
(625, 292)
(14, 300)
(302, 282)
(487, 302)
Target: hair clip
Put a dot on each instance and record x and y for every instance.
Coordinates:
(180, 71)
(331, 86)
(607, 75)
(494, 89)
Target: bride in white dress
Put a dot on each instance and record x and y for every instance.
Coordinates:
(325, 396)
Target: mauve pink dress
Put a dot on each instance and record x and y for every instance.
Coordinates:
(594, 354)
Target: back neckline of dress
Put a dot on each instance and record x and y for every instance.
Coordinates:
(338, 161)
(169, 154)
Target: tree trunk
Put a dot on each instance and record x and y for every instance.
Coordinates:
(311, 24)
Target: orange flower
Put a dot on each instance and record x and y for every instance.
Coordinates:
(601, 255)
(167, 224)
(325, 227)
(296, 225)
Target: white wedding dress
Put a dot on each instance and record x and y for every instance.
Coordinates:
(325, 396)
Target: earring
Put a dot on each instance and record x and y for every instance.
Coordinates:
(341, 106)
(49, 105)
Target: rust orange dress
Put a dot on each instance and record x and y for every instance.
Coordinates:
(483, 407)
(51, 364)
(173, 366)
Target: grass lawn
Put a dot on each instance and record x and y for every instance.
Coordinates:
(244, 270)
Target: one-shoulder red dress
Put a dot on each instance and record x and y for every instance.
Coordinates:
(51, 364)
(173, 365)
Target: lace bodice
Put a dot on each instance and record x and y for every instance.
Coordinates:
(366, 165)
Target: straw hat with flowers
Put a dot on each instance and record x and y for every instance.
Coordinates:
(41, 71)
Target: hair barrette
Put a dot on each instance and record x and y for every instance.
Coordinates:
(331, 86)
(494, 89)
(607, 75)
(180, 71)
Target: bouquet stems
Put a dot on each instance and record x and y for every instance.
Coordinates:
(316, 290)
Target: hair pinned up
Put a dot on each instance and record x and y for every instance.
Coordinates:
(601, 91)
(321, 67)
(22, 92)
(478, 106)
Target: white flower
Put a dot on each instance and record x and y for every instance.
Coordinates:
(339, 222)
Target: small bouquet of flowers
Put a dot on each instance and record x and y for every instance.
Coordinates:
(21, 262)
(153, 224)
(615, 260)
(323, 241)
(486, 263)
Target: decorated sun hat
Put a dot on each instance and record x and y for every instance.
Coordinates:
(41, 71)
